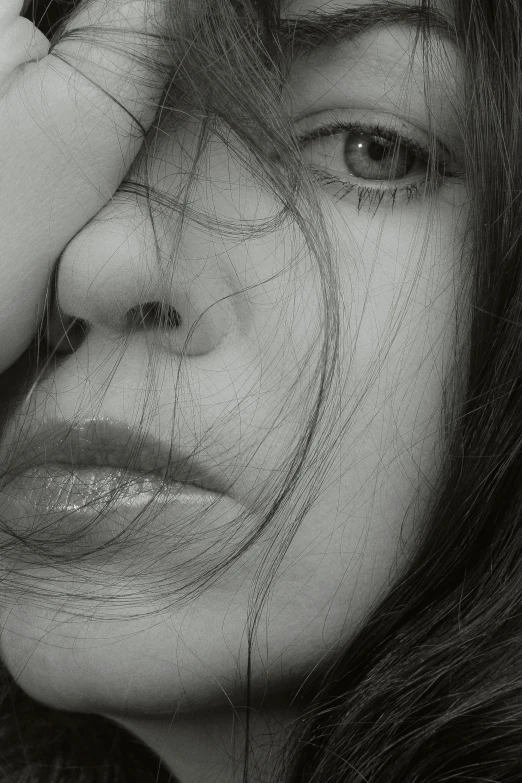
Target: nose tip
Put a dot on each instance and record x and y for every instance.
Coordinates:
(190, 321)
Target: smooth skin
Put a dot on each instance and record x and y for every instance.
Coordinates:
(64, 146)
(169, 671)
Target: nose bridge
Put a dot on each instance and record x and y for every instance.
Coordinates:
(112, 277)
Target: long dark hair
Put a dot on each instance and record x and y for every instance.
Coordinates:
(428, 689)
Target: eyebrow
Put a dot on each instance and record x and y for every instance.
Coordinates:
(305, 34)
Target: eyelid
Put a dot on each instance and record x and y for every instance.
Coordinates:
(438, 164)
(392, 122)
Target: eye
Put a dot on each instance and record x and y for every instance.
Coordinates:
(369, 152)
(369, 156)
(375, 160)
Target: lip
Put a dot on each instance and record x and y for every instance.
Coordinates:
(79, 488)
(103, 444)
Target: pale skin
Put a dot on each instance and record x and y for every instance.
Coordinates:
(171, 677)
(63, 152)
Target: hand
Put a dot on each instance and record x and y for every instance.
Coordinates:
(65, 145)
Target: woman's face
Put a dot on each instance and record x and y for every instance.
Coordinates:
(103, 634)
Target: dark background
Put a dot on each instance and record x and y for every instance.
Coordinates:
(47, 14)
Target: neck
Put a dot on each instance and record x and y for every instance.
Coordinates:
(209, 747)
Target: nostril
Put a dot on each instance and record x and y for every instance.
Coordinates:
(153, 315)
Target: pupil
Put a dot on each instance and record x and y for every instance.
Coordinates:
(377, 151)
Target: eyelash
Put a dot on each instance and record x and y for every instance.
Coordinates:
(374, 196)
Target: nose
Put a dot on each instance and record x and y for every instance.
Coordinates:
(112, 279)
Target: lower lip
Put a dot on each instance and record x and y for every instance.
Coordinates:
(55, 488)
(112, 497)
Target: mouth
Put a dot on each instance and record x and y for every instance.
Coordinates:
(100, 466)
(104, 446)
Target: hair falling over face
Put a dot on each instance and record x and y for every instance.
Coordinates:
(262, 458)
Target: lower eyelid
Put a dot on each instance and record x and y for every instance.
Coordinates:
(365, 196)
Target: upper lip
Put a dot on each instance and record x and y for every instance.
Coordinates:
(105, 443)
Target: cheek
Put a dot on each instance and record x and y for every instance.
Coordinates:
(397, 347)
(400, 273)
(399, 340)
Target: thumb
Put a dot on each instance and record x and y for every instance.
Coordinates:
(71, 124)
